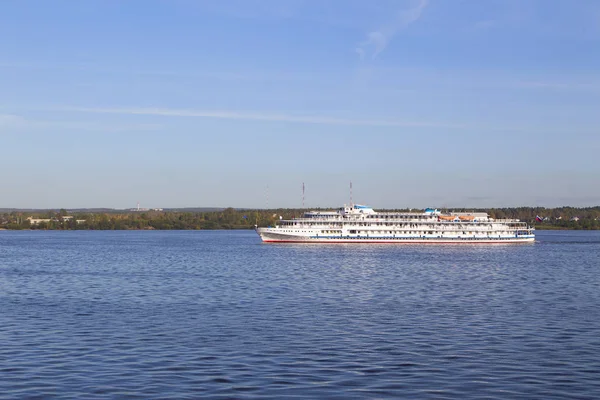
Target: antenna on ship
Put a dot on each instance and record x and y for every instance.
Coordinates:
(351, 203)
(302, 194)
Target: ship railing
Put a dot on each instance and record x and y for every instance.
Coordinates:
(438, 228)
(413, 225)
(423, 219)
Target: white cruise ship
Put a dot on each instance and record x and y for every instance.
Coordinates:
(361, 224)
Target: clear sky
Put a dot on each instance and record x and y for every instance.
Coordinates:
(174, 103)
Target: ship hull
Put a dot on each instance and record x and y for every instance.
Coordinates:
(274, 237)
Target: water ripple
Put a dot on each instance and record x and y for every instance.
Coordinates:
(220, 315)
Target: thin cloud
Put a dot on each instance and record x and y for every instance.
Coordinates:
(253, 116)
(10, 120)
(303, 119)
(593, 87)
(16, 123)
(377, 41)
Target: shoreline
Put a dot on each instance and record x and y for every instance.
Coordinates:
(240, 229)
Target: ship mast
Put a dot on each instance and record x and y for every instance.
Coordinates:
(351, 203)
(303, 195)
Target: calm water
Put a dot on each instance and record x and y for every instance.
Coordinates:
(221, 315)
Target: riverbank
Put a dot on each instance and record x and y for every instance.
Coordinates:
(565, 218)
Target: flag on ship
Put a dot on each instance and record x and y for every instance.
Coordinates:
(538, 218)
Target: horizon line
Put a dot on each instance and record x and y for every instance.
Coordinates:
(168, 209)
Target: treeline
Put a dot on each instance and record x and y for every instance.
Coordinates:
(551, 218)
(584, 218)
(129, 220)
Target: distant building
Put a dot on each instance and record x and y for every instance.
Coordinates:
(35, 221)
(139, 209)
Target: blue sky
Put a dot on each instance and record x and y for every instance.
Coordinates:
(174, 103)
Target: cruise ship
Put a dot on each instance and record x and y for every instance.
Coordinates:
(361, 224)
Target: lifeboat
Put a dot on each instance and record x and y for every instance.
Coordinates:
(446, 218)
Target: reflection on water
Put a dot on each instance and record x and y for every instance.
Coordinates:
(220, 314)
